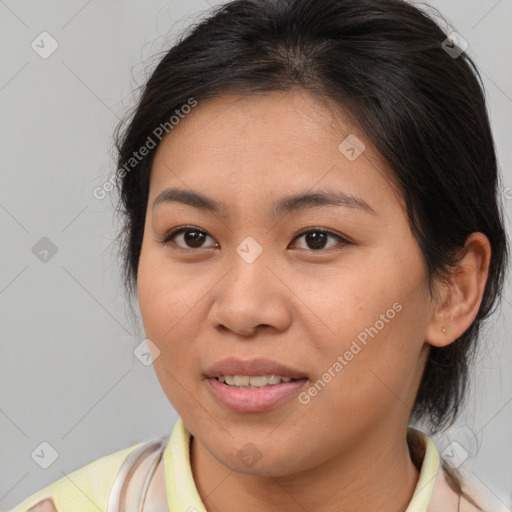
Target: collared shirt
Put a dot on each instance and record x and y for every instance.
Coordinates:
(182, 493)
(88, 488)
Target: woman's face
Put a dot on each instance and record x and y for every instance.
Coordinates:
(344, 316)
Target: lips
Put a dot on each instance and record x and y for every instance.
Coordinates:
(255, 400)
(252, 368)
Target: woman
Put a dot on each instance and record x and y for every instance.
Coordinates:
(313, 235)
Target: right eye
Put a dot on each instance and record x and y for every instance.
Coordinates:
(191, 236)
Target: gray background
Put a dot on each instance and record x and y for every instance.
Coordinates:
(68, 375)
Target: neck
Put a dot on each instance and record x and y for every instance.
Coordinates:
(376, 473)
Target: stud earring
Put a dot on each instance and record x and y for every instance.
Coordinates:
(444, 329)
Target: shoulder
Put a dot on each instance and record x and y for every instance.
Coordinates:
(444, 488)
(467, 497)
(86, 489)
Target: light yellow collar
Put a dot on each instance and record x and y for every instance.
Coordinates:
(428, 474)
(182, 494)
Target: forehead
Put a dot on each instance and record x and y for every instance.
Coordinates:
(270, 144)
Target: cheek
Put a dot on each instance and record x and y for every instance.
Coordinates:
(374, 345)
(164, 294)
(161, 311)
(168, 306)
(150, 297)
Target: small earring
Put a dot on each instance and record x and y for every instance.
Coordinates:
(444, 329)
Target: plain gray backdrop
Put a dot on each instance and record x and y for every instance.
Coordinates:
(68, 375)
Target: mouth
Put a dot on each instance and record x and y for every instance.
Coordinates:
(270, 393)
(254, 381)
(254, 385)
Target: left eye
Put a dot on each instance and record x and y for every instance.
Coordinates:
(195, 237)
(318, 238)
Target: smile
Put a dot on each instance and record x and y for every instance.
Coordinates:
(249, 398)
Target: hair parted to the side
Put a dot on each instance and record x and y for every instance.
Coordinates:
(382, 61)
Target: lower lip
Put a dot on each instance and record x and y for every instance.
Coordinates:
(256, 399)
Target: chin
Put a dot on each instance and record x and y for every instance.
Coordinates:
(251, 461)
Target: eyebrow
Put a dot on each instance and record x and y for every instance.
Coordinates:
(282, 206)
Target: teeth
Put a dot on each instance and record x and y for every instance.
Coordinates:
(246, 381)
(241, 380)
(261, 381)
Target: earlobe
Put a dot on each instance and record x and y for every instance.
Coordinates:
(459, 299)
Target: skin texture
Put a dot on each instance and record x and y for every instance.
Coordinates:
(300, 306)
(45, 505)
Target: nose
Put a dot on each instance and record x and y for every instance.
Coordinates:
(250, 298)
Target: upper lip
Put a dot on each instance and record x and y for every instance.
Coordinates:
(251, 367)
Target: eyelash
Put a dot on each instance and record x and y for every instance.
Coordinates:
(167, 239)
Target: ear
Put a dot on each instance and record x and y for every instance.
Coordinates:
(459, 299)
